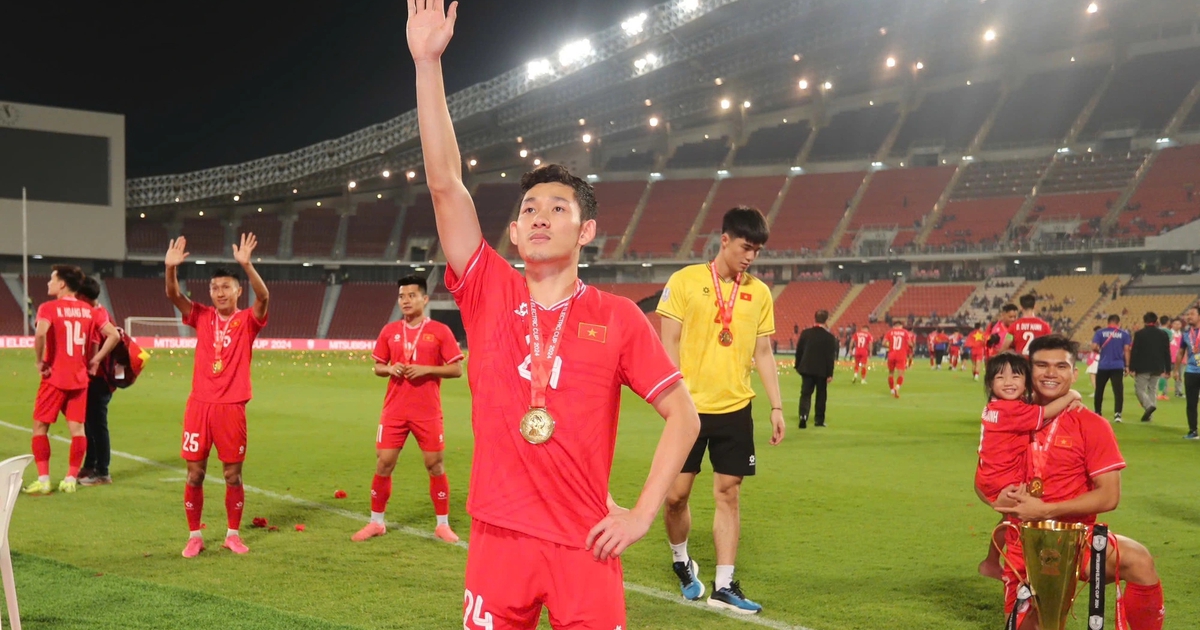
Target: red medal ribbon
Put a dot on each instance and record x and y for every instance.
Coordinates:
(410, 350)
(723, 305)
(541, 366)
(1038, 452)
(219, 336)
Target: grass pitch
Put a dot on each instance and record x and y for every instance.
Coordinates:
(870, 523)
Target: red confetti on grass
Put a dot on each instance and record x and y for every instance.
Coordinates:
(299, 527)
(272, 529)
(203, 525)
(258, 522)
(340, 494)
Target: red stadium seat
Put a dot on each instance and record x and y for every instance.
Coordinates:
(314, 233)
(867, 301)
(756, 192)
(370, 229)
(362, 310)
(617, 202)
(1167, 198)
(797, 304)
(812, 209)
(925, 300)
(668, 216)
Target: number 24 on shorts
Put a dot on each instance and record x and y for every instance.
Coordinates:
(473, 612)
(191, 442)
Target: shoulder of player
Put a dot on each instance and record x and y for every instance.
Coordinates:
(602, 302)
(1086, 422)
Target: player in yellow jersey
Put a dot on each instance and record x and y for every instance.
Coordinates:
(717, 323)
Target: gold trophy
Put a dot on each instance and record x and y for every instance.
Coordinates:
(1053, 551)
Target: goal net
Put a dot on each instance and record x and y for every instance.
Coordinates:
(155, 327)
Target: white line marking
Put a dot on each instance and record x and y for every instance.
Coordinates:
(420, 533)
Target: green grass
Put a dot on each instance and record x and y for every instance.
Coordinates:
(870, 523)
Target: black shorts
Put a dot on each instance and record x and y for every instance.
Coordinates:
(729, 438)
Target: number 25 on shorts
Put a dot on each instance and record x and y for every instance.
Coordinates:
(473, 613)
(191, 442)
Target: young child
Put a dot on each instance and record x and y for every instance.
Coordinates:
(1009, 420)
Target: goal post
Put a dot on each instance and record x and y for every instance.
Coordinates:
(153, 326)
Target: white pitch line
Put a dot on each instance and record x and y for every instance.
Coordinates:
(420, 533)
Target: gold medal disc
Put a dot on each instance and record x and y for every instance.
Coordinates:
(218, 365)
(1036, 487)
(537, 426)
(725, 338)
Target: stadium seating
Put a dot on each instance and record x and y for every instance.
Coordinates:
(795, 306)
(145, 236)
(774, 145)
(971, 221)
(1131, 308)
(668, 216)
(1001, 178)
(419, 221)
(708, 153)
(205, 237)
(864, 304)
(855, 134)
(1043, 108)
(1069, 298)
(1086, 206)
(370, 228)
(1169, 76)
(756, 192)
(295, 309)
(928, 300)
(1092, 172)
(634, 161)
(990, 296)
(495, 204)
(617, 202)
(948, 119)
(1167, 198)
(363, 309)
(812, 209)
(314, 233)
(139, 297)
(199, 292)
(899, 197)
(11, 317)
(266, 228)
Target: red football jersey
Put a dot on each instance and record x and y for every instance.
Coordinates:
(68, 342)
(419, 399)
(862, 342)
(1081, 447)
(555, 491)
(1001, 331)
(898, 341)
(976, 341)
(230, 381)
(1025, 330)
(1007, 427)
(956, 343)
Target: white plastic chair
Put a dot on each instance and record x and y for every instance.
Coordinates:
(11, 471)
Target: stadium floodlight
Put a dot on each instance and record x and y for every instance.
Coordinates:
(1163, 140)
(473, 162)
(968, 158)
(519, 265)
(260, 209)
(722, 173)
(634, 25)
(745, 104)
(1064, 150)
(582, 122)
(587, 138)
(537, 161)
(592, 178)
(574, 52)
(648, 102)
(639, 64)
(353, 185)
(891, 62)
(201, 262)
(871, 103)
(1092, 8)
(989, 35)
(583, 265)
(1082, 269)
(647, 264)
(652, 59)
(920, 66)
(719, 81)
(1017, 262)
(411, 174)
(797, 169)
(803, 84)
(318, 204)
(828, 85)
(177, 200)
(201, 213)
(307, 264)
(538, 68)
(655, 176)
(841, 266)
(725, 104)
(689, 5)
(876, 164)
(796, 57)
(143, 215)
(524, 153)
(653, 121)
(295, 190)
(386, 174)
(1072, 60)
(237, 197)
(503, 174)
(379, 195)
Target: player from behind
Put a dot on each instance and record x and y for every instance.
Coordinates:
(861, 343)
(414, 354)
(1027, 328)
(216, 409)
(549, 357)
(62, 345)
(939, 345)
(1007, 422)
(976, 343)
(899, 344)
(955, 345)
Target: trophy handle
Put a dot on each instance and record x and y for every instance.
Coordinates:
(1007, 524)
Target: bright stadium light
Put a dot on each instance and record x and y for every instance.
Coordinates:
(177, 200)
(143, 215)
(689, 5)
(353, 185)
(582, 122)
(803, 84)
(634, 25)
(745, 104)
(538, 68)
(891, 62)
(653, 121)
(379, 195)
(828, 85)
(574, 52)
(989, 35)
(1082, 269)
(652, 59)
(639, 64)
(1092, 8)
(524, 153)
(260, 209)
(237, 197)
(387, 174)
(537, 161)
(295, 190)
(473, 162)
(719, 81)
(587, 138)
(318, 204)
(201, 213)
(920, 66)
(648, 102)
(725, 104)
(411, 174)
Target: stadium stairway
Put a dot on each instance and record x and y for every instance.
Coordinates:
(797, 302)
(847, 300)
(925, 300)
(332, 293)
(1131, 308)
(865, 303)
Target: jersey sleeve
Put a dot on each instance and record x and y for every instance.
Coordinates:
(449, 349)
(100, 317)
(1017, 416)
(1101, 453)
(1097, 338)
(673, 302)
(198, 311)
(643, 365)
(472, 289)
(766, 317)
(255, 325)
(46, 312)
(383, 352)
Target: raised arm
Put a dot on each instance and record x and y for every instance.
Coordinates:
(261, 295)
(430, 28)
(176, 254)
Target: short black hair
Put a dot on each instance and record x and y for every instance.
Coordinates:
(821, 316)
(585, 195)
(71, 275)
(1028, 301)
(1053, 342)
(746, 222)
(221, 272)
(1150, 318)
(995, 365)
(1193, 307)
(417, 280)
(1165, 320)
(1095, 328)
(1114, 319)
(1009, 308)
(89, 289)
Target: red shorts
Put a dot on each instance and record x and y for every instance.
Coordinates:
(897, 362)
(51, 401)
(394, 432)
(510, 576)
(860, 359)
(213, 424)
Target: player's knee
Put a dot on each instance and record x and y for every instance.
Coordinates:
(436, 469)
(1137, 565)
(233, 478)
(40, 428)
(384, 467)
(195, 478)
(727, 495)
(676, 503)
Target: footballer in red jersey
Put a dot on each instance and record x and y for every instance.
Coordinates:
(899, 344)
(414, 353)
(976, 344)
(1027, 328)
(62, 344)
(998, 338)
(549, 355)
(216, 409)
(861, 342)
(956, 346)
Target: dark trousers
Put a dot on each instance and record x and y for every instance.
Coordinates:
(1118, 383)
(1191, 386)
(938, 355)
(99, 449)
(806, 391)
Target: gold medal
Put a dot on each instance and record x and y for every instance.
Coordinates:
(725, 338)
(218, 365)
(537, 426)
(1036, 487)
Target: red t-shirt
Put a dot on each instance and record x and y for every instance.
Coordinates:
(1001, 331)
(419, 399)
(862, 342)
(956, 343)
(1081, 446)
(1025, 330)
(976, 341)
(555, 491)
(68, 343)
(1007, 427)
(898, 341)
(101, 317)
(231, 383)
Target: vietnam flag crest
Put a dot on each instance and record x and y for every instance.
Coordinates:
(746, 296)
(593, 332)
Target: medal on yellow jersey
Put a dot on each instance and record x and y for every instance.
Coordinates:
(725, 307)
(537, 425)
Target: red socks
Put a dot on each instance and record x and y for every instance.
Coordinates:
(41, 454)
(193, 504)
(439, 492)
(1144, 606)
(381, 491)
(899, 381)
(235, 502)
(78, 450)
(891, 382)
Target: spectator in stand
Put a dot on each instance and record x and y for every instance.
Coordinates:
(1149, 360)
(1113, 346)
